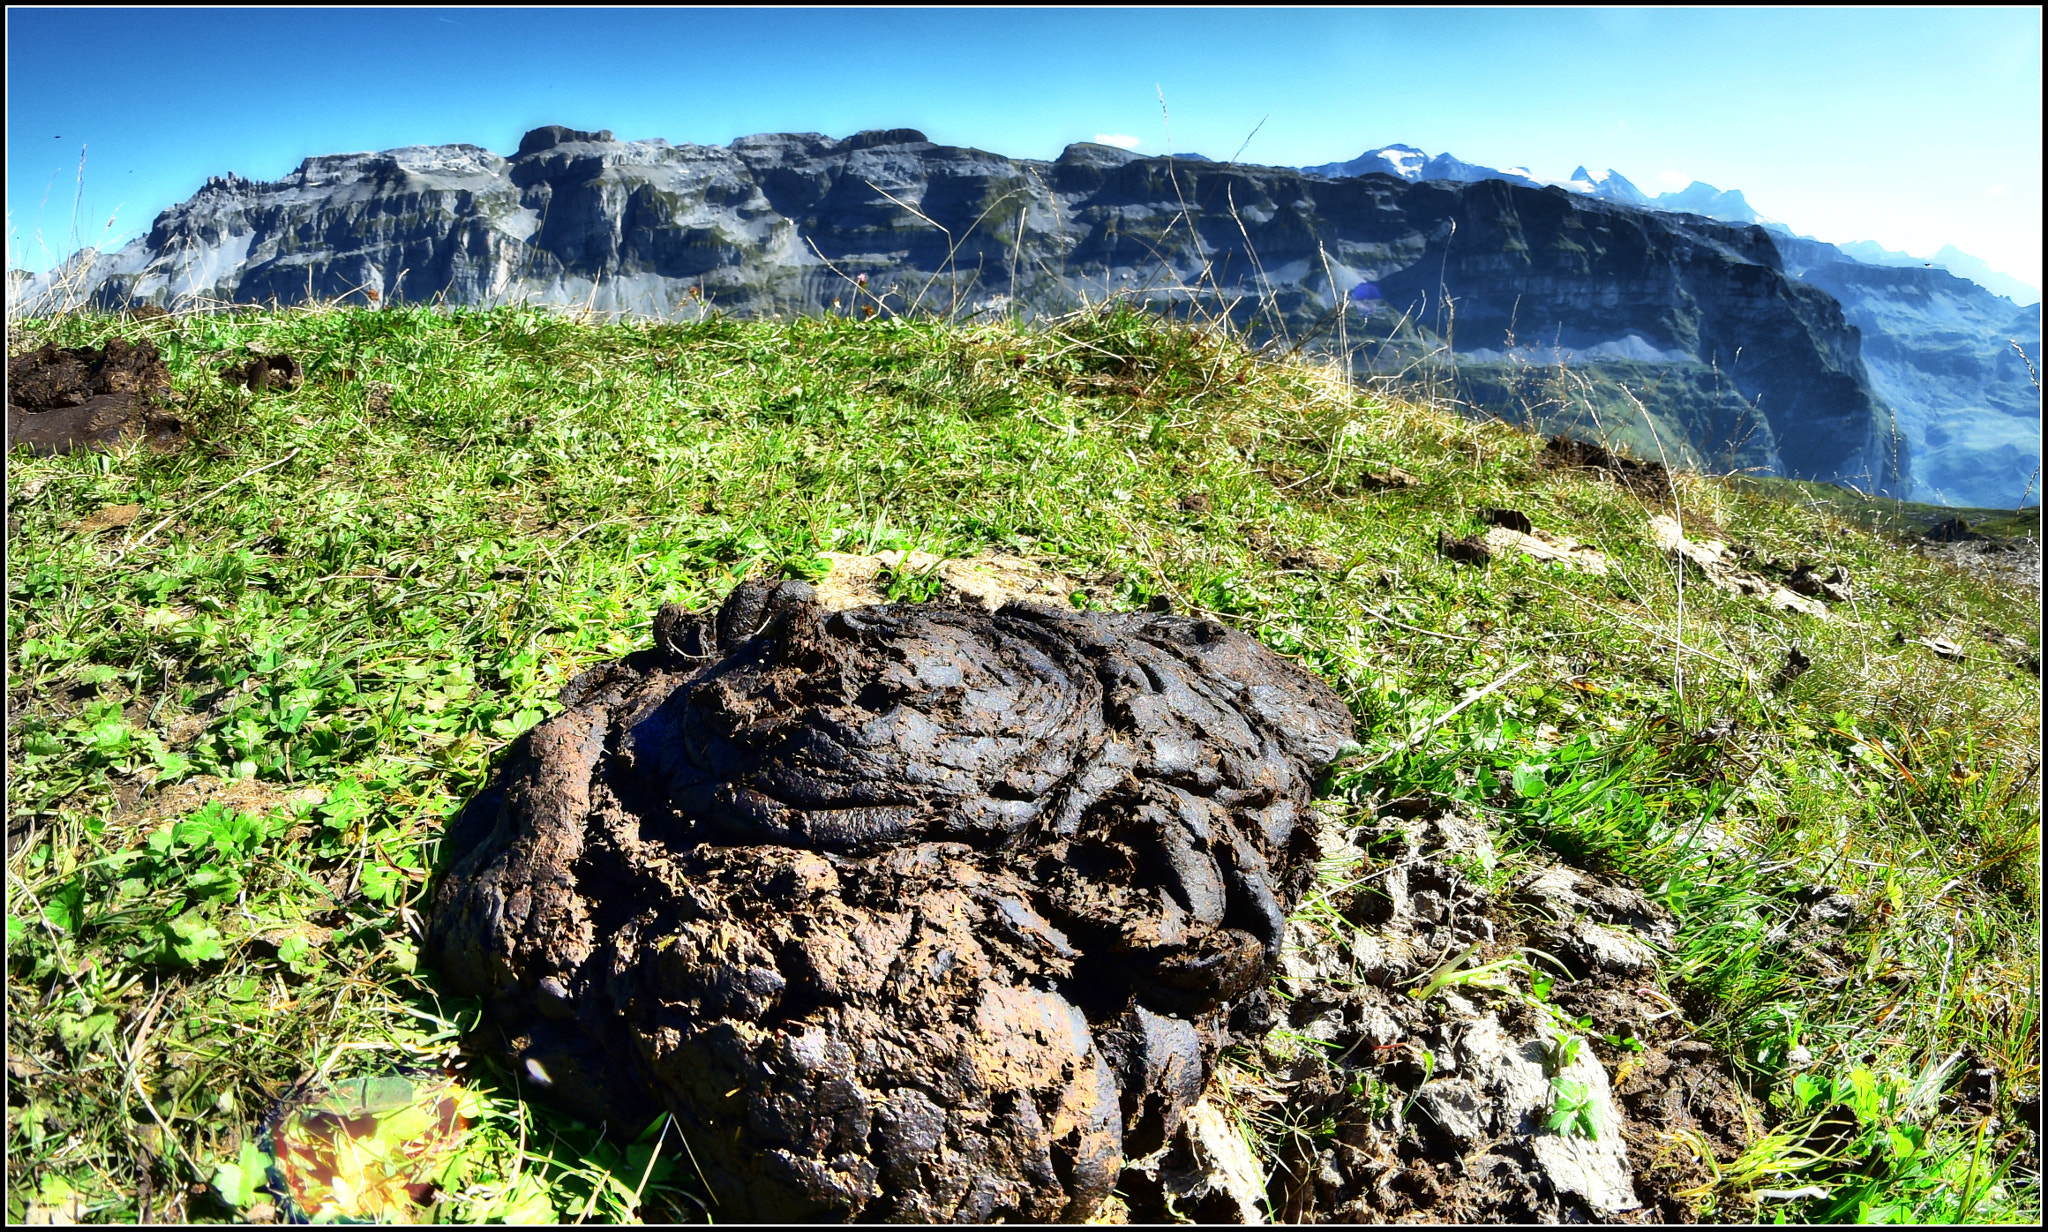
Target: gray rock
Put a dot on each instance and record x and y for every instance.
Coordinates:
(1565, 894)
(1513, 1073)
(1214, 1177)
(1457, 1108)
(1589, 948)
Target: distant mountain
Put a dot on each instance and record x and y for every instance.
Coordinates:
(1872, 253)
(1415, 166)
(1700, 197)
(1663, 331)
(1955, 261)
(1610, 185)
(1408, 163)
(1697, 197)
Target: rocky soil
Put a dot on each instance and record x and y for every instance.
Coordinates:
(1436, 1082)
(946, 913)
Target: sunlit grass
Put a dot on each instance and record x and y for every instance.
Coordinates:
(349, 611)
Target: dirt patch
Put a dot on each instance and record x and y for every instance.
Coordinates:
(1648, 479)
(111, 517)
(2004, 562)
(905, 911)
(1365, 481)
(64, 398)
(987, 582)
(242, 795)
(1293, 557)
(1473, 1101)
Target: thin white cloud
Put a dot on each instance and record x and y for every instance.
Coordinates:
(1120, 140)
(1673, 178)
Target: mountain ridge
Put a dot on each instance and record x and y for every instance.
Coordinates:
(1413, 164)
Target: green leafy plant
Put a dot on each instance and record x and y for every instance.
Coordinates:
(1630, 1042)
(912, 586)
(1573, 1110)
(1563, 1052)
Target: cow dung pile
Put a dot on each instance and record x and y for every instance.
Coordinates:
(903, 911)
(60, 399)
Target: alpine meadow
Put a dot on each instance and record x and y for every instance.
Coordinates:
(1717, 798)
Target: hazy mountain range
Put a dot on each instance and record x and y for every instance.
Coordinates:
(1408, 163)
(1575, 308)
(1698, 197)
(1952, 259)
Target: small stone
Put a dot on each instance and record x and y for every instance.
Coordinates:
(1456, 1108)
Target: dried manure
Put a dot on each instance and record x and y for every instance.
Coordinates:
(1433, 1088)
(902, 911)
(60, 399)
(1648, 479)
(262, 372)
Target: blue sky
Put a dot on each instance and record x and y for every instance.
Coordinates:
(1915, 128)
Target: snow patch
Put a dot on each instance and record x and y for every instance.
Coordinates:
(211, 266)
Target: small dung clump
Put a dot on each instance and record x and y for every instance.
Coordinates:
(903, 911)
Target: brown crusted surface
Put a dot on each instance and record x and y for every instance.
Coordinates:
(65, 398)
(903, 911)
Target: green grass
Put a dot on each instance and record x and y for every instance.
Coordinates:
(348, 613)
(1902, 517)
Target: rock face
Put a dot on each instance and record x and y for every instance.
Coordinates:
(1735, 363)
(903, 911)
(1939, 349)
(1764, 371)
